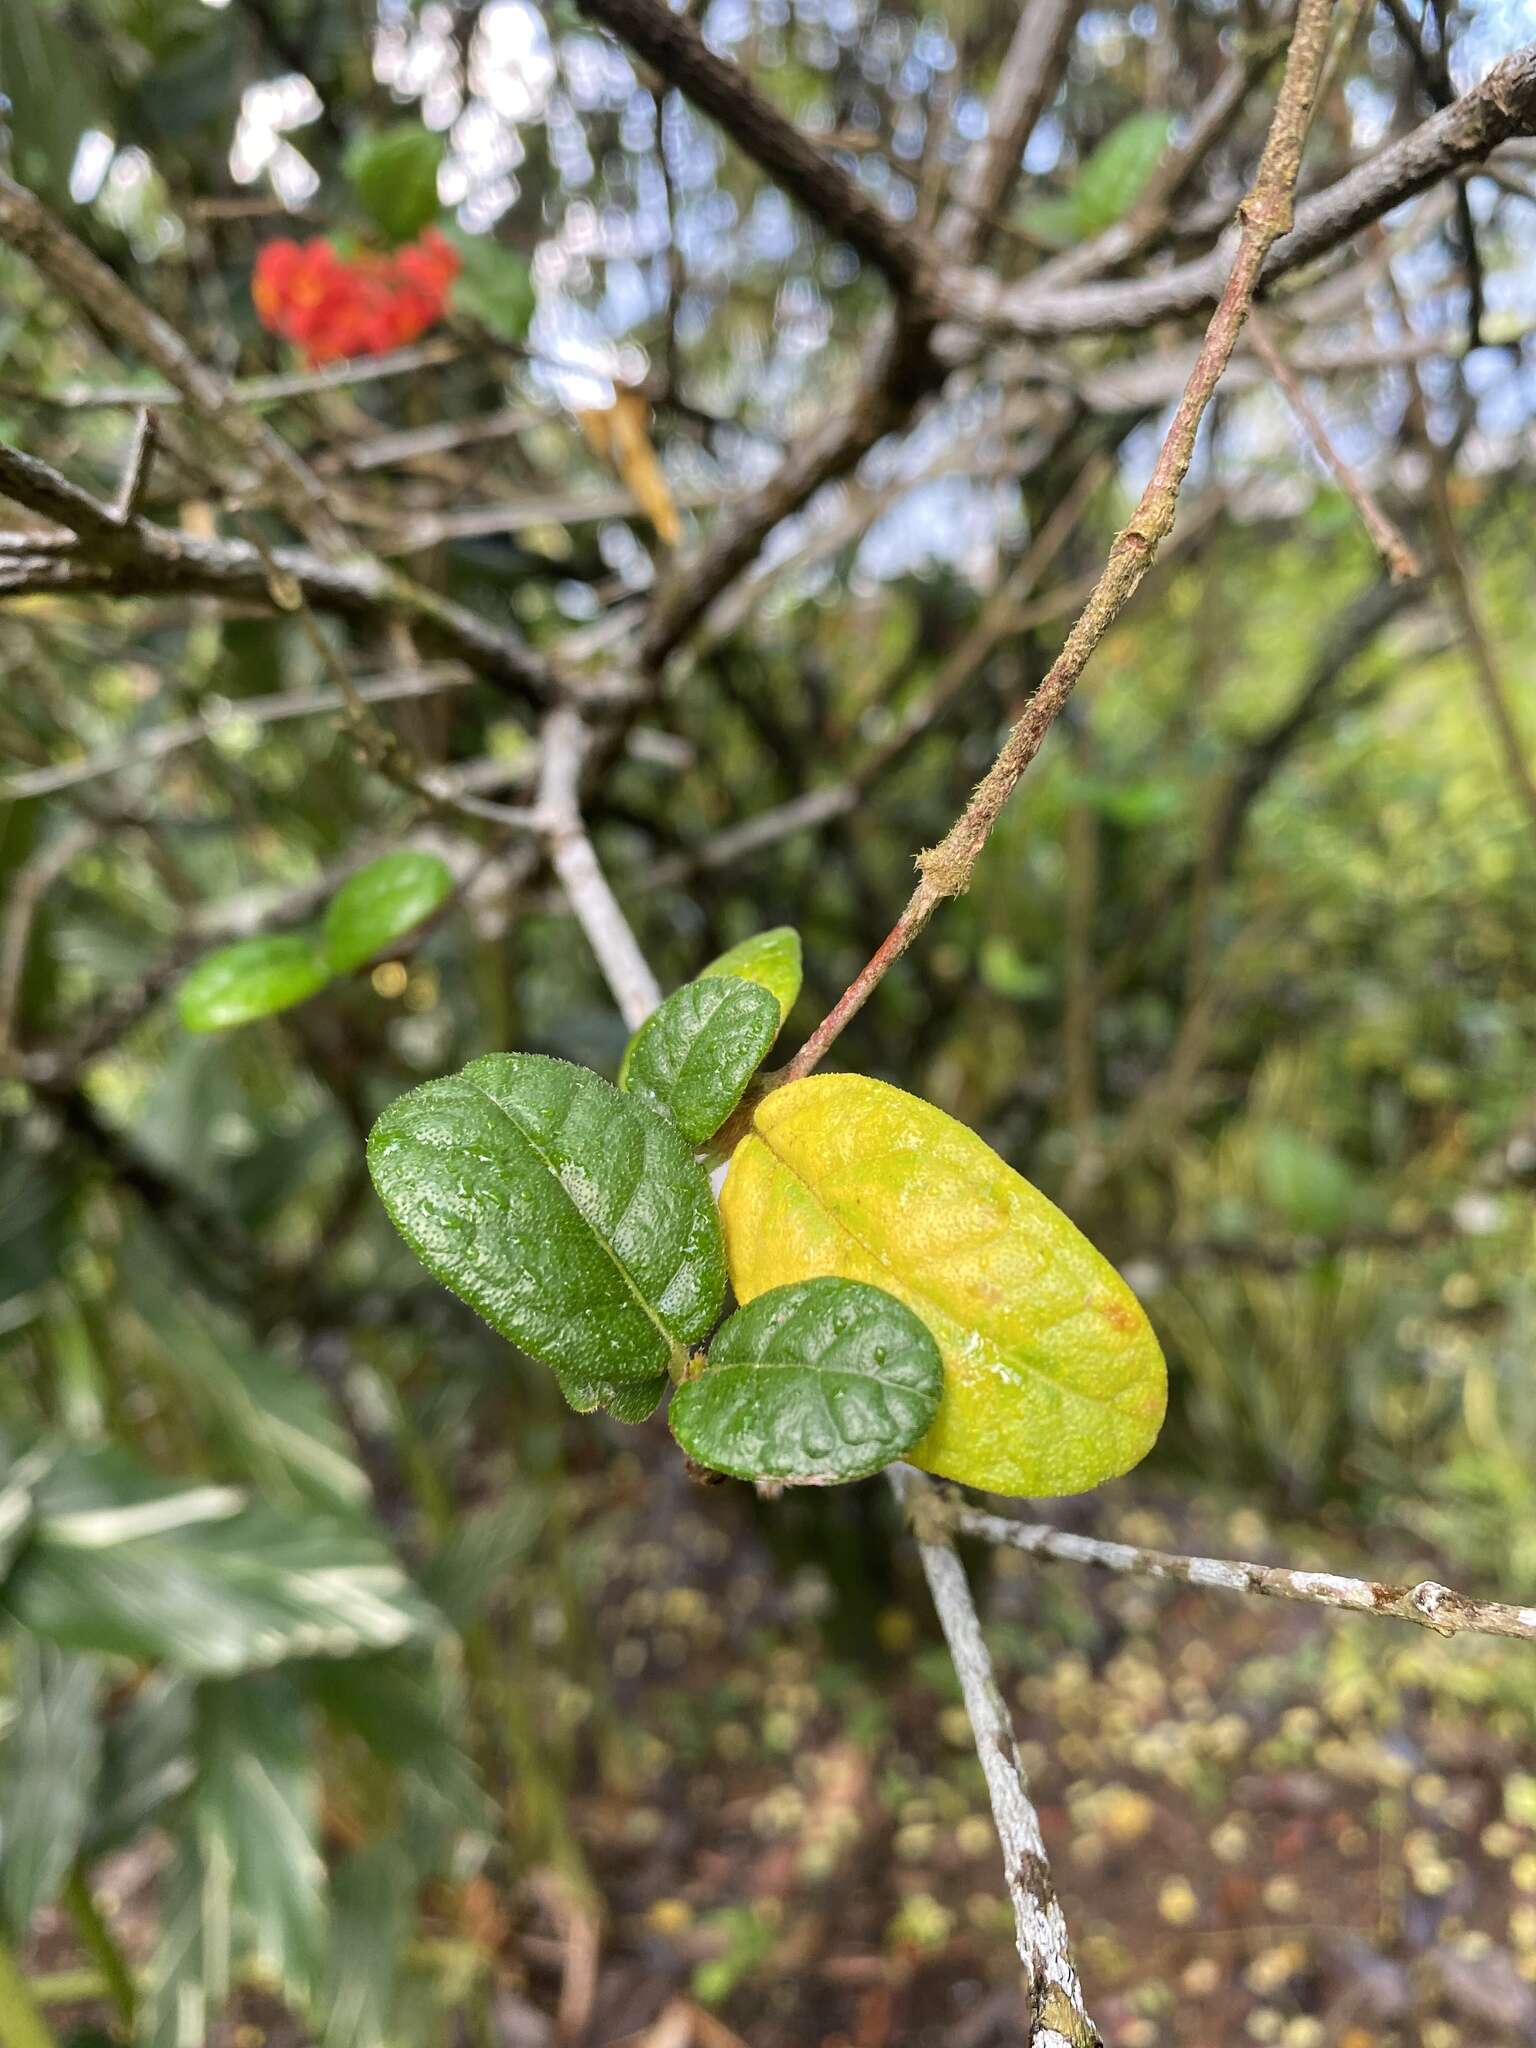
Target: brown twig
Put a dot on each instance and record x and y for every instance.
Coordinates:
(1264, 217)
(1403, 565)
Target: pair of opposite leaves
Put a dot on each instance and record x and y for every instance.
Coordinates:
(379, 905)
(905, 1292)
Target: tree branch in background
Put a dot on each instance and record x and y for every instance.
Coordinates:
(1057, 2017)
(1501, 107)
(673, 46)
(1402, 564)
(558, 822)
(1265, 215)
(1459, 585)
(1026, 84)
(134, 557)
(85, 281)
(1428, 1604)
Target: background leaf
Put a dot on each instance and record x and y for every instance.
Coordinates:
(696, 1052)
(574, 1220)
(382, 903)
(494, 285)
(122, 1562)
(253, 978)
(1053, 1380)
(394, 175)
(47, 1775)
(256, 1807)
(812, 1383)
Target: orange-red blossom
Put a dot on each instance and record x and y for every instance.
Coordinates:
(333, 306)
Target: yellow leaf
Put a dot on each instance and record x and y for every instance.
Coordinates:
(622, 435)
(1053, 1380)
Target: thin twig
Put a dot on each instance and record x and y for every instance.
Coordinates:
(134, 487)
(232, 714)
(1265, 216)
(1428, 1603)
(558, 820)
(674, 47)
(83, 279)
(1403, 565)
(1057, 2017)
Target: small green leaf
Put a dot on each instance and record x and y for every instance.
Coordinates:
(253, 978)
(494, 285)
(812, 1383)
(1116, 173)
(1305, 1182)
(1108, 185)
(771, 959)
(696, 1052)
(394, 174)
(574, 1220)
(381, 903)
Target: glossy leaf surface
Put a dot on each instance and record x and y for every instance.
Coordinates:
(1053, 1380)
(382, 903)
(574, 1220)
(253, 978)
(771, 959)
(812, 1383)
(696, 1052)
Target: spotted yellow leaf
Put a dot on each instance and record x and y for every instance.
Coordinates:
(1053, 1380)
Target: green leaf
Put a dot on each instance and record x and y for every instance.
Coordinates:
(189, 1970)
(394, 174)
(124, 1563)
(1305, 1182)
(574, 1220)
(1110, 182)
(1116, 174)
(494, 285)
(399, 1705)
(146, 1761)
(252, 978)
(51, 1758)
(1053, 1380)
(381, 903)
(370, 1923)
(256, 1809)
(771, 959)
(812, 1383)
(696, 1052)
(265, 1419)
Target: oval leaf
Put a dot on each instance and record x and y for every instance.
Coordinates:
(820, 1381)
(394, 174)
(253, 978)
(381, 903)
(576, 1222)
(771, 959)
(696, 1052)
(1053, 1380)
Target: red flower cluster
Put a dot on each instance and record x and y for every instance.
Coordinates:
(335, 306)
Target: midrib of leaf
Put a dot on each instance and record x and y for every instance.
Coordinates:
(842, 1372)
(941, 1314)
(674, 1345)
